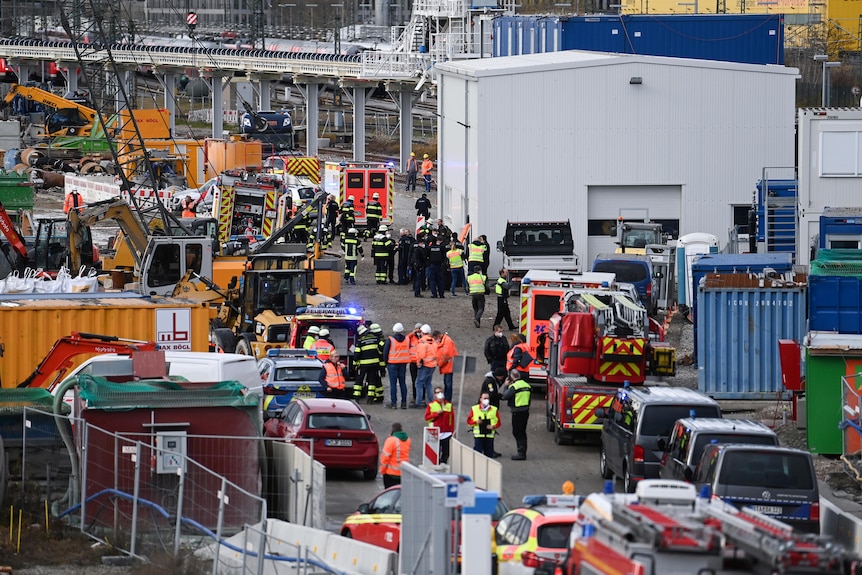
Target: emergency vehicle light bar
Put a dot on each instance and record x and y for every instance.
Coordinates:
(552, 500)
(291, 352)
(330, 310)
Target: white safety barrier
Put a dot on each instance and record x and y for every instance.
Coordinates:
(841, 520)
(287, 543)
(485, 472)
(301, 486)
(99, 188)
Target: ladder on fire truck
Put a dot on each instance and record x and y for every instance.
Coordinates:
(648, 528)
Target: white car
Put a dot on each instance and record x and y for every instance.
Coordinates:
(206, 206)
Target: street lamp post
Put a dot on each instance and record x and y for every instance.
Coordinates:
(825, 90)
(311, 8)
(290, 8)
(337, 36)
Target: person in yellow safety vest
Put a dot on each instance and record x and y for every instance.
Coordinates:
(518, 393)
(396, 450)
(440, 414)
(332, 378)
(519, 356)
(484, 418)
(396, 354)
(455, 255)
(373, 215)
(367, 366)
(475, 255)
(310, 337)
(476, 288)
(352, 251)
(380, 256)
(323, 346)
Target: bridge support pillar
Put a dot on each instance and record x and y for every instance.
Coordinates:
(217, 85)
(358, 92)
(405, 96)
(170, 82)
(310, 89)
(265, 102)
(70, 73)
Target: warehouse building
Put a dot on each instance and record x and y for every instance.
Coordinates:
(591, 137)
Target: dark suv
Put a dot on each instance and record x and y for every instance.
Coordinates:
(690, 436)
(637, 419)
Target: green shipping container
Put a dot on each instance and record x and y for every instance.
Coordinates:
(828, 357)
(15, 192)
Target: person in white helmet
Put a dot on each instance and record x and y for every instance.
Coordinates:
(396, 354)
(352, 252)
(311, 336)
(373, 215)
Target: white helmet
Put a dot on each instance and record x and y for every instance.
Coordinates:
(352, 231)
(382, 228)
(426, 328)
(324, 332)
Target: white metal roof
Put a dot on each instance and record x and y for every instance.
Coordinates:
(567, 59)
(827, 341)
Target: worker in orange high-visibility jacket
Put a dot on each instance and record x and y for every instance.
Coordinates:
(332, 376)
(323, 346)
(396, 450)
(73, 201)
(396, 354)
(427, 168)
(446, 352)
(426, 360)
(519, 356)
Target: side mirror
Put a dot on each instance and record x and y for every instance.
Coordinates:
(662, 444)
(363, 508)
(499, 245)
(688, 474)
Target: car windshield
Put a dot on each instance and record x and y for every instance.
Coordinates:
(297, 373)
(705, 439)
(658, 420)
(337, 421)
(767, 470)
(554, 535)
(629, 272)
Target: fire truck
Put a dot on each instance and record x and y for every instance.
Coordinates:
(362, 180)
(599, 342)
(244, 208)
(666, 529)
(342, 323)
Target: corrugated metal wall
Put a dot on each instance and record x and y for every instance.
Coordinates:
(738, 333)
(548, 127)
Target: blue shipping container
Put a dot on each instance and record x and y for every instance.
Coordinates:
(835, 304)
(743, 38)
(738, 354)
(516, 35)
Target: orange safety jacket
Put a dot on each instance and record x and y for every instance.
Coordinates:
(395, 452)
(334, 375)
(446, 352)
(73, 201)
(510, 357)
(427, 166)
(399, 351)
(426, 352)
(414, 343)
(324, 348)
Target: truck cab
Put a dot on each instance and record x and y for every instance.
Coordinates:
(538, 246)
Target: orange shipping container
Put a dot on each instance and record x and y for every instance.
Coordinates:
(153, 124)
(29, 327)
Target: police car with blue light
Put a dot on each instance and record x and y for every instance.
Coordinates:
(288, 374)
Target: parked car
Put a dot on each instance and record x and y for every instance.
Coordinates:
(207, 190)
(536, 535)
(690, 436)
(637, 419)
(339, 429)
(288, 373)
(379, 521)
(777, 481)
(634, 269)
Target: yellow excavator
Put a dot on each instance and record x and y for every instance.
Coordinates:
(69, 118)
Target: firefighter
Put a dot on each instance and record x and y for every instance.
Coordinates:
(367, 365)
(455, 256)
(310, 337)
(73, 201)
(476, 288)
(519, 357)
(373, 215)
(332, 376)
(352, 252)
(300, 230)
(380, 255)
(381, 365)
(412, 170)
(475, 255)
(518, 393)
(391, 248)
(501, 288)
(427, 168)
(323, 345)
(348, 216)
(484, 418)
(439, 414)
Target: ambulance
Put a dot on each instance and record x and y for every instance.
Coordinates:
(362, 180)
(542, 295)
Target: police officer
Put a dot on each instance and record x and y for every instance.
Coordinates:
(501, 288)
(455, 255)
(434, 269)
(475, 255)
(352, 251)
(423, 207)
(517, 393)
(476, 288)
(405, 246)
(373, 214)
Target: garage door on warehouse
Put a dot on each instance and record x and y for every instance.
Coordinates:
(634, 203)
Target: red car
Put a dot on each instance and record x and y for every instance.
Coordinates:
(340, 433)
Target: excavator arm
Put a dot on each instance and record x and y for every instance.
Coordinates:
(59, 358)
(8, 229)
(134, 232)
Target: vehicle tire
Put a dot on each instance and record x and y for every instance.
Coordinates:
(346, 534)
(559, 436)
(549, 421)
(369, 474)
(243, 348)
(223, 338)
(628, 484)
(604, 470)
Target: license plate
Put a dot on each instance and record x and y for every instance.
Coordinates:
(338, 442)
(305, 394)
(767, 510)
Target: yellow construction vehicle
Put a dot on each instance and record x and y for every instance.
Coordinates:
(69, 118)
